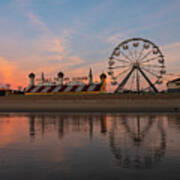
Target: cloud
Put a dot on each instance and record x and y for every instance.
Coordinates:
(26, 8)
(56, 46)
(6, 69)
(49, 55)
(172, 56)
(35, 20)
(74, 60)
(10, 73)
(116, 38)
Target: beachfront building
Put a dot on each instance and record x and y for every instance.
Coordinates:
(174, 85)
(76, 86)
(5, 89)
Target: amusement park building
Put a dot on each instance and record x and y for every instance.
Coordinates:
(73, 87)
(174, 85)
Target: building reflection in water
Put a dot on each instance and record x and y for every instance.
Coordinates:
(32, 126)
(61, 127)
(136, 141)
(90, 127)
(103, 124)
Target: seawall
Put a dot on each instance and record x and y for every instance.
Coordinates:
(91, 103)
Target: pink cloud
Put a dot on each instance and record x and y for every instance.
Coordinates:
(56, 46)
(35, 20)
(115, 39)
(11, 74)
(172, 58)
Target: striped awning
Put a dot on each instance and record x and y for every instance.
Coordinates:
(63, 88)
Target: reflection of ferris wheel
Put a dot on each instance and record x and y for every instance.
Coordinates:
(145, 145)
(138, 64)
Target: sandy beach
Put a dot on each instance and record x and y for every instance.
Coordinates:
(92, 103)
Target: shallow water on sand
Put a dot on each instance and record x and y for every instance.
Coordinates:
(89, 146)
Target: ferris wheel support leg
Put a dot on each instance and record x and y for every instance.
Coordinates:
(122, 84)
(147, 79)
(137, 80)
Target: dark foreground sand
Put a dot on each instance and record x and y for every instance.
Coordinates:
(91, 103)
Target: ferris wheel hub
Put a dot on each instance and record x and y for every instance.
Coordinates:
(136, 65)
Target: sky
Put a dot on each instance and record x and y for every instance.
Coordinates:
(74, 35)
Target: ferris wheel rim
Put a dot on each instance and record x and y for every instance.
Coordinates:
(136, 39)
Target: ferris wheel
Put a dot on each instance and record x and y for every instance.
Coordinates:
(136, 65)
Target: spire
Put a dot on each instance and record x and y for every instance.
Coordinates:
(90, 76)
(42, 77)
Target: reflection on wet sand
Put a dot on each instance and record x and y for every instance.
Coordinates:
(61, 127)
(32, 126)
(174, 121)
(144, 147)
(135, 141)
(65, 123)
(88, 146)
(103, 121)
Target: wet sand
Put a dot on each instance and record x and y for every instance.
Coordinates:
(91, 103)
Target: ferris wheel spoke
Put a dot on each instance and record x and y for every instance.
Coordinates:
(148, 80)
(124, 81)
(123, 72)
(121, 60)
(131, 54)
(146, 55)
(146, 88)
(150, 72)
(137, 80)
(135, 54)
(152, 66)
(126, 56)
(152, 69)
(151, 59)
(141, 53)
(132, 82)
(116, 67)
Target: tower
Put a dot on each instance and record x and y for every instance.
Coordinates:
(42, 77)
(31, 77)
(103, 82)
(90, 76)
(60, 78)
